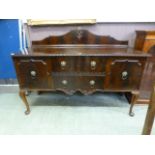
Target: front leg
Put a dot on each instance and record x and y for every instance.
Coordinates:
(22, 94)
(134, 98)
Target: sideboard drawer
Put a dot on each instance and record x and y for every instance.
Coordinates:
(83, 83)
(78, 64)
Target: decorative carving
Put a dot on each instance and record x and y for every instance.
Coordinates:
(79, 34)
(126, 61)
(32, 61)
(71, 92)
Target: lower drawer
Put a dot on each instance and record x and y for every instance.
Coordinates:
(78, 82)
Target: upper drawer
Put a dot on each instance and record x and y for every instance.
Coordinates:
(78, 64)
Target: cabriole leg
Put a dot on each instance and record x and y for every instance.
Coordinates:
(22, 94)
(134, 98)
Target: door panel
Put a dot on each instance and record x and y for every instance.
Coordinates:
(33, 73)
(126, 74)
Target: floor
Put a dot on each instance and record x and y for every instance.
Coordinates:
(56, 113)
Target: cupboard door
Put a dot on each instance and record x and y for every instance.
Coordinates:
(126, 74)
(33, 73)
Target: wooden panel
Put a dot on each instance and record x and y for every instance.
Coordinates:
(79, 37)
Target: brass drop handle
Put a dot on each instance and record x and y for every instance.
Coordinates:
(92, 82)
(63, 63)
(124, 75)
(64, 82)
(33, 73)
(93, 64)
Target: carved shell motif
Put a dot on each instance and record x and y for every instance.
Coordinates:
(79, 34)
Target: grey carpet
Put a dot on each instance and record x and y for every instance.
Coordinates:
(56, 113)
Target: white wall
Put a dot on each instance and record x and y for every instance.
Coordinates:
(120, 31)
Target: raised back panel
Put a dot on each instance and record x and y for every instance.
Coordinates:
(79, 37)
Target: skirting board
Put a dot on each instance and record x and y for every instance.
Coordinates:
(9, 88)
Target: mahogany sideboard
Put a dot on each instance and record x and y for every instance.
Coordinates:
(80, 61)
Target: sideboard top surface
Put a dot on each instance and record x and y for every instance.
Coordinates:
(83, 51)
